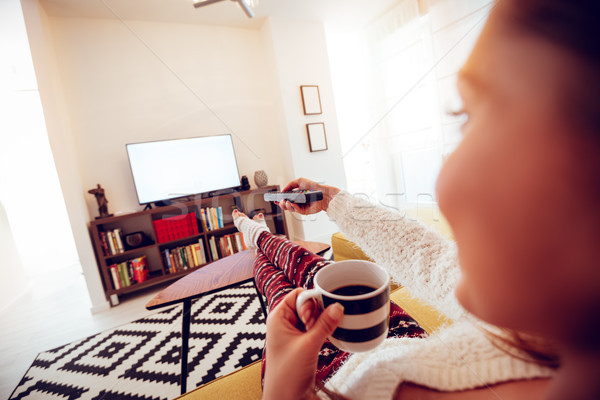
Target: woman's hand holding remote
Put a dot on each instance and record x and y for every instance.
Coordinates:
(329, 193)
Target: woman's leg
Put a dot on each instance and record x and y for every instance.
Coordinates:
(298, 264)
(270, 281)
(281, 266)
(273, 283)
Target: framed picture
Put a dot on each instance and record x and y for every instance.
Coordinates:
(316, 136)
(311, 99)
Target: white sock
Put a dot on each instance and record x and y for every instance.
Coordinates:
(251, 229)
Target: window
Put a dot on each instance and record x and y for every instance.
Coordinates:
(394, 126)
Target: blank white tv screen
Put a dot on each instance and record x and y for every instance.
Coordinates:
(176, 168)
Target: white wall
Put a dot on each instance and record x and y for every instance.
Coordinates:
(139, 81)
(300, 57)
(61, 141)
(105, 83)
(13, 282)
(29, 188)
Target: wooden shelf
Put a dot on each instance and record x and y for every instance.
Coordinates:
(246, 201)
(129, 253)
(180, 241)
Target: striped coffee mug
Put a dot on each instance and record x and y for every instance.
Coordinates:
(363, 288)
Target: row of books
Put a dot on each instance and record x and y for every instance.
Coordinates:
(184, 257)
(177, 227)
(211, 218)
(112, 242)
(129, 272)
(226, 245)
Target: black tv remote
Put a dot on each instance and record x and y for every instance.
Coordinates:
(296, 196)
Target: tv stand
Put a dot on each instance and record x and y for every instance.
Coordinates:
(144, 221)
(216, 193)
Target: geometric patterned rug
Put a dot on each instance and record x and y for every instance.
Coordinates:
(141, 360)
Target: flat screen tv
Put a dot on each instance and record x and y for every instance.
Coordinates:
(169, 169)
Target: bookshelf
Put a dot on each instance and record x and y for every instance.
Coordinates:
(186, 237)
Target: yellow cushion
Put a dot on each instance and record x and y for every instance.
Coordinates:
(344, 249)
(428, 317)
(243, 384)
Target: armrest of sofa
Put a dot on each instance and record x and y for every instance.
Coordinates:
(428, 317)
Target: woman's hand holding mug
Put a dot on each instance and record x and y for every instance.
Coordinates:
(363, 289)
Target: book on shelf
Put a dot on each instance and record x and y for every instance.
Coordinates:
(114, 274)
(168, 260)
(129, 272)
(184, 257)
(226, 245)
(104, 243)
(119, 240)
(220, 216)
(213, 248)
(211, 218)
(112, 242)
(193, 254)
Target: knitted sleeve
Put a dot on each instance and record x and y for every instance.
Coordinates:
(415, 255)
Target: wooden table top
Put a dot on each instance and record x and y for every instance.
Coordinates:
(313, 247)
(216, 275)
(219, 274)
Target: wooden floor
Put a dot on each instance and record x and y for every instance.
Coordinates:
(55, 310)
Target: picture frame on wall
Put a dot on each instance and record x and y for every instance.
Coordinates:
(317, 140)
(311, 99)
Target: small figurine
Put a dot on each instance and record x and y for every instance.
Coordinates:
(102, 202)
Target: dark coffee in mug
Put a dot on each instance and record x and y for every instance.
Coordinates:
(353, 290)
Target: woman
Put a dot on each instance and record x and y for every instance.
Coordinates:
(521, 194)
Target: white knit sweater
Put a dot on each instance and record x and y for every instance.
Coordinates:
(457, 357)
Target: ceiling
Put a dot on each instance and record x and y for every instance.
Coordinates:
(225, 13)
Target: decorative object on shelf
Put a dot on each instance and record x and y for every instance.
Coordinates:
(140, 269)
(135, 240)
(260, 178)
(311, 101)
(102, 201)
(176, 227)
(245, 184)
(316, 136)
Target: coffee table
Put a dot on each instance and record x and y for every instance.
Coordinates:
(219, 275)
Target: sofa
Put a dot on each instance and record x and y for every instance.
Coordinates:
(244, 384)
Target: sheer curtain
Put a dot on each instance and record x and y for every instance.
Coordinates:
(395, 128)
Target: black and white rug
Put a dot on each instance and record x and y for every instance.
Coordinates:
(140, 360)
